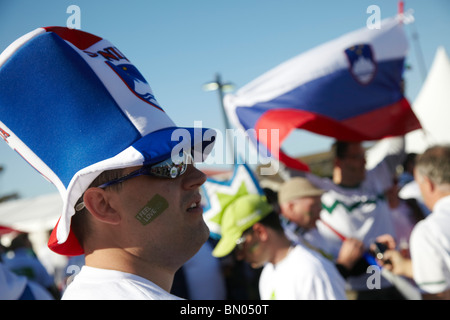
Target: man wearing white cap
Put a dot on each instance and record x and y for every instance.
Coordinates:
(79, 112)
(300, 207)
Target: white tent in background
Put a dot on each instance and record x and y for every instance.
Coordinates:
(432, 108)
(32, 215)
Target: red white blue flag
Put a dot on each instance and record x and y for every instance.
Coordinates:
(349, 88)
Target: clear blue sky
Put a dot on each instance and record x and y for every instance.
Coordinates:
(178, 45)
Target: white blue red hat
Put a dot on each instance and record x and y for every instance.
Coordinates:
(72, 105)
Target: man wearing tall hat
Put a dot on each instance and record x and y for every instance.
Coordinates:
(77, 110)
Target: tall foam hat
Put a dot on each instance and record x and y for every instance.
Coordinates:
(72, 105)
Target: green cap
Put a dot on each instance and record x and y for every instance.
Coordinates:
(240, 215)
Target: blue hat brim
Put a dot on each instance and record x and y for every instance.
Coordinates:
(160, 145)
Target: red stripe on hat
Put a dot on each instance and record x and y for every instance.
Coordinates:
(80, 39)
(71, 247)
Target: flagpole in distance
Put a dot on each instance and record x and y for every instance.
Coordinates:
(220, 87)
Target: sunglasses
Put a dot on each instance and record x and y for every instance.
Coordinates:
(241, 242)
(170, 169)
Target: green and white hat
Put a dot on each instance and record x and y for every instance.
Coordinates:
(238, 217)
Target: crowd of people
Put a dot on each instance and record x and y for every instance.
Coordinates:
(286, 245)
(133, 216)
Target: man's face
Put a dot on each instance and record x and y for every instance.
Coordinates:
(353, 165)
(178, 230)
(306, 211)
(425, 188)
(253, 249)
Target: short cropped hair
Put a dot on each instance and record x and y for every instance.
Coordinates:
(434, 163)
(339, 149)
(80, 221)
(272, 220)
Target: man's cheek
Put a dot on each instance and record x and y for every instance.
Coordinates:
(152, 209)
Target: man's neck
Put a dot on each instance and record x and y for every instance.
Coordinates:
(342, 180)
(125, 261)
(281, 250)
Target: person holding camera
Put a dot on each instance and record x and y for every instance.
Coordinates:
(354, 206)
(429, 265)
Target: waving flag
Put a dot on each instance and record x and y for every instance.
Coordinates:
(349, 88)
(217, 195)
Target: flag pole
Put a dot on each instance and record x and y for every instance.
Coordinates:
(221, 87)
(401, 7)
(415, 37)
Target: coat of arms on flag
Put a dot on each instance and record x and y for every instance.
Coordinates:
(217, 195)
(362, 63)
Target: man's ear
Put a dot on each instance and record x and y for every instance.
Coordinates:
(97, 201)
(260, 231)
(429, 185)
(287, 209)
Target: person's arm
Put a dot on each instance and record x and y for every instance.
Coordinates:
(389, 150)
(349, 257)
(399, 265)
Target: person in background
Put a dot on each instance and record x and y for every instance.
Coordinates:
(429, 265)
(201, 277)
(21, 259)
(15, 287)
(354, 206)
(407, 170)
(300, 206)
(291, 271)
(54, 264)
(405, 214)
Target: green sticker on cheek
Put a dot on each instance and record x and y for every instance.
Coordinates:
(152, 209)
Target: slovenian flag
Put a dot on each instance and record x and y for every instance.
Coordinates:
(350, 89)
(218, 194)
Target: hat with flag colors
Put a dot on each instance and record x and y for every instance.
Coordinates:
(72, 105)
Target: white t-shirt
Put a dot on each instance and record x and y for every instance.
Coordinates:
(430, 249)
(301, 275)
(102, 284)
(362, 213)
